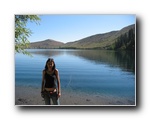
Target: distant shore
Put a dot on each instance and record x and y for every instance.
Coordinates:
(28, 96)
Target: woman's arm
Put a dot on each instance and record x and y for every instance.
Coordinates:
(43, 78)
(58, 82)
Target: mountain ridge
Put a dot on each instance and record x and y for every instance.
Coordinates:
(97, 41)
(48, 43)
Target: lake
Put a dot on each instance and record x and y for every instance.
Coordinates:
(99, 72)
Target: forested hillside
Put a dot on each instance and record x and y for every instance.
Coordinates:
(114, 40)
(125, 41)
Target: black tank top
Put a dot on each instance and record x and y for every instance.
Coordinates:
(50, 80)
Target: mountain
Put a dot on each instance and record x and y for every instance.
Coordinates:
(99, 41)
(120, 39)
(46, 44)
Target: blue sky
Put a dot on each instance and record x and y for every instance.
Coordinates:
(67, 28)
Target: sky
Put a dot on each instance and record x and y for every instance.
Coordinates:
(71, 27)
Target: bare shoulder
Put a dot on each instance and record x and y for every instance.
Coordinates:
(43, 71)
(56, 71)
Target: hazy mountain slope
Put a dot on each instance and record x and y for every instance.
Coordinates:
(98, 41)
(46, 44)
(102, 41)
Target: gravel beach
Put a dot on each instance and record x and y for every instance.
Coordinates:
(29, 96)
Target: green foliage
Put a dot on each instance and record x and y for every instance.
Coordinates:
(125, 41)
(22, 33)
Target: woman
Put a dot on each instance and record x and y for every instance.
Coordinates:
(50, 83)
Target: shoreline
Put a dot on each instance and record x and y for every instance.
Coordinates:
(28, 96)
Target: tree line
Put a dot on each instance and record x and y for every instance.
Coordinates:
(125, 41)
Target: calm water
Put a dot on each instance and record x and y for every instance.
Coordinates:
(91, 71)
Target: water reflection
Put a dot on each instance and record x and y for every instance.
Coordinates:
(123, 59)
(46, 52)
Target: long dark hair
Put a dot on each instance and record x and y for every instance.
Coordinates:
(50, 60)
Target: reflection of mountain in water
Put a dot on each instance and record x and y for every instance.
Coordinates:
(46, 52)
(122, 59)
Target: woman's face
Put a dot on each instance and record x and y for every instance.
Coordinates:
(50, 64)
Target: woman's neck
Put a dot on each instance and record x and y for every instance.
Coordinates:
(50, 70)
